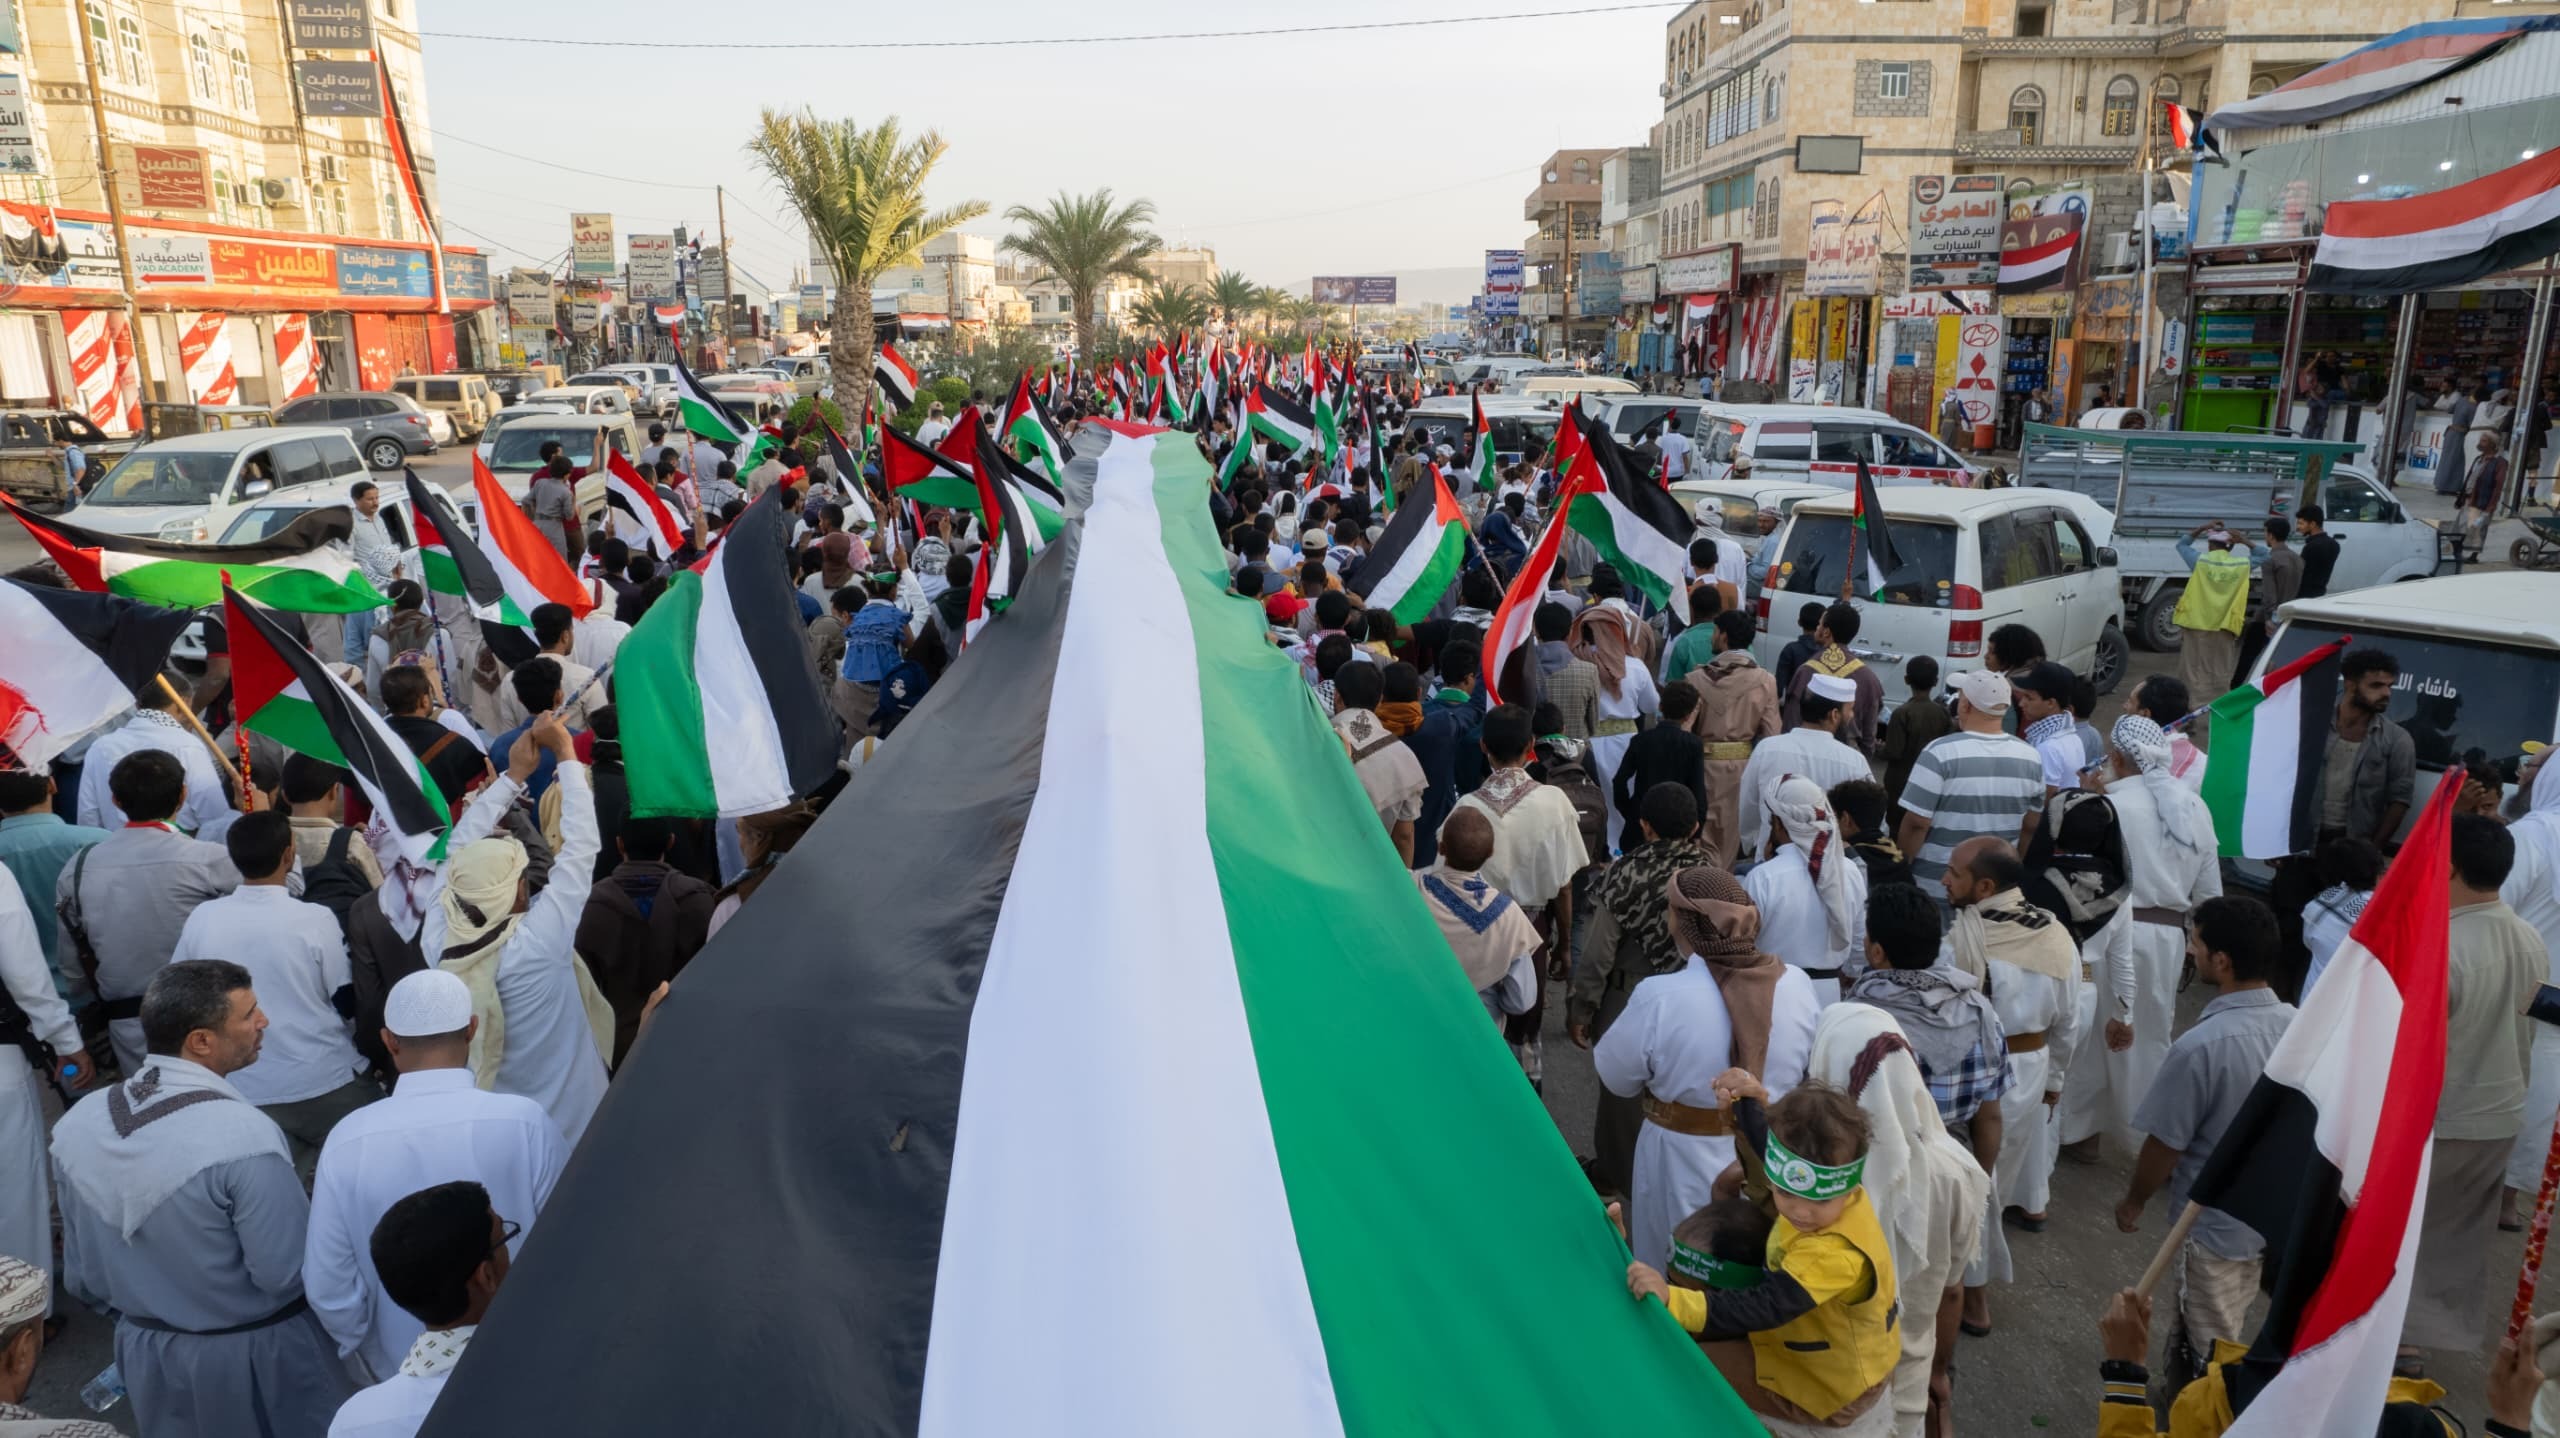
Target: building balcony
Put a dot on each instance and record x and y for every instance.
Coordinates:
(2012, 147)
(2176, 28)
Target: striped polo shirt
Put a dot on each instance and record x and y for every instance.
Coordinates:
(1966, 785)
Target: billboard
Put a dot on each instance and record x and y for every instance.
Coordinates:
(591, 246)
(529, 301)
(1846, 251)
(711, 277)
(653, 266)
(1502, 304)
(1955, 231)
(167, 177)
(380, 270)
(17, 136)
(1355, 289)
(1502, 271)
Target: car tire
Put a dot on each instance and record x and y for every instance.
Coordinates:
(385, 453)
(2114, 656)
(2156, 625)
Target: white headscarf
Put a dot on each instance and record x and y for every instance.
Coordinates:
(2183, 815)
(480, 914)
(1928, 1191)
(1805, 810)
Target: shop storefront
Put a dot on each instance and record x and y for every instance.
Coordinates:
(227, 316)
(1697, 289)
(2038, 357)
(1933, 343)
(1639, 345)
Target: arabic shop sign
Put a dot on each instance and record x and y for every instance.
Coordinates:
(172, 260)
(329, 24)
(255, 265)
(375, 271)
(1955, 231)
(168, 177)
(342, 88)
(17, 134)
(591, 246)
(466, 277)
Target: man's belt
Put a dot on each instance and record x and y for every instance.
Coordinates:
(1834, 975)
(1684, 1118)
(1611, 728)
(2166, 918)
(292, 1310)
(1735, 749)
(2026, 1043)
(116, 1009)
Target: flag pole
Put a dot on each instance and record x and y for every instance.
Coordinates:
(2535, 1238)
(2169, 1247)
(187, 712)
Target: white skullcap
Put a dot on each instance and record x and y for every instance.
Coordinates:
(1833, 688)
(23, 1287)
(427, 1003)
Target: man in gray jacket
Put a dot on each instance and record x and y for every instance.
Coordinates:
(122, 901)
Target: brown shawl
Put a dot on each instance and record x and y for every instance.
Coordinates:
(1603, 643)
(1713, 917)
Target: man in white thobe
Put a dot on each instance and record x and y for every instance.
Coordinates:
(1811, 893)
(1681, 1030)
(1611, 636)
(1813, 749)
(444, 1252)
(26, 1212)
(435, 1128)
(2532, 889)
(2128, 1007)
(155, 725)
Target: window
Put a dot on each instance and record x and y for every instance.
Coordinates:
(2260, 84)
(1839, 443)
(2117, 121)
(2169, 88)
(244, 93)
(2033, 18)
(98, 43)
(1893, 82)
(391, 212)
(2018, 549)
(137, 58)
(299, 461)
(2072, 544)
(1582, 172)
(222, 195)
(338, 204)
(200, 67)
(2026, 113)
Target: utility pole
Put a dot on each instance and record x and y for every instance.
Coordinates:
(728, 269)
(115, 204)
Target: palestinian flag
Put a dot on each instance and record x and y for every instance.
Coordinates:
(1039, 500)
(640, 519)
(1272, 416)
(1873, 535)
(923, 476)
(893, 377)
(701, 414)
(296, 568)
(1487, 473)
(1512, 621)
(2039, 253)
(1635, 523)
(1416, 560)
(1382, 491)
(529, 570)
(1004, 514)
(284, 692)
(2442, 239)
(73, 662)
(2185, 130)
(714, 684)
(1048, 1231)
(849, 482)
(2327, 1158)
(2270, 740)
(453, 561)
(1027, 429)
(1327, 415)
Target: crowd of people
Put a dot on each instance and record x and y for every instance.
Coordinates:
(1855, 968)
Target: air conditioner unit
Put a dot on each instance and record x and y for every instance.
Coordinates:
(2124, 251)
(1664, 90)
(281, 192)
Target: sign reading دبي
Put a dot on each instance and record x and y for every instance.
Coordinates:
(591, 246)
(1955, 231)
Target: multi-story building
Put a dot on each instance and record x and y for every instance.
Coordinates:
(1565, 209)
(1629, 185)
(1197, 268)
(1050, 309)
(955, 281)
(280, 230)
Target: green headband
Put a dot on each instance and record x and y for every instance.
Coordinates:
(1714, 1272)
(1802, 1177)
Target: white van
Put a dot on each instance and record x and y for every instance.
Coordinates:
(1741, 500)
(188, 489)
(1823, 443)
(1556, 388)
(1972, 560)
(585, 399)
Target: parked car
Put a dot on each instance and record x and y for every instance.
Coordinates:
(513, 455)
(512, 385)
(585, 399)
(466, 399)
(804, 373)
(516, 415)
(1741, 500)
(191, 488)
(657, 385)
(1972, 560)
(168, 419)
(386, 428)
(34, 454)
(605, 378)
(1558, 387)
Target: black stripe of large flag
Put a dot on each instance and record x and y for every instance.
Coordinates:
(74, 661)
(284, 692)
(714, 684)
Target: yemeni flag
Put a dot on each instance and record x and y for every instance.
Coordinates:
(1416, 560)
(2373, 73)
(1578, 478)
(714, 684)
(1274, 417)
(701, 414)
(2270, 740)
(1027, 428)
(639, 517)
(2039, 253)
(2442, 239)
(893, 377)
(2327, 1158)
(1872, 534)
(296, 568)
(284, 692)
(994, 1158)
(857, 503)
(73, 662)
(1482, 463)
(2186, 130)
(1634, 522)
(923, 476)
(529, 570)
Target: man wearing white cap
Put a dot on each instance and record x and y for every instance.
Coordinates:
(23, 1287)
(1732, 572)
(1813, 749)
(1978, 781)
(437, 1127)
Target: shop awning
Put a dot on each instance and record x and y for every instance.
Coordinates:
(2376, 72)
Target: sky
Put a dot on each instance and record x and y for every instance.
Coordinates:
(1292, 155)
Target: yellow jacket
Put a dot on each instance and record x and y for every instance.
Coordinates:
(2217, 593)
(2203, 1410)
(1828, 1357)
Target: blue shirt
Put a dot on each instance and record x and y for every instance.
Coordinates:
(871, 642)
(503, 745)
(36, 848)
(810, 608)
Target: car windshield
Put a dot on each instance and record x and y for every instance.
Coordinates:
(263, 521)
(520, 447)
(2456, 697)
(168, 477)
(1817, 555)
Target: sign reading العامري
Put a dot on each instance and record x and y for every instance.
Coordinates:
(1955, 231)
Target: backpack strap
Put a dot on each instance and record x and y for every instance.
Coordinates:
(338, 841)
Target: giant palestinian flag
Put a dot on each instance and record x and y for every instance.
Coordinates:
(701, 414)
(2446, 238)
(1152, 1191)
(1416, 560)
(73, 662)
(714, 683)
(1631, 518)
(297, 568)
(2376, 72)
(2327, 1157)
(2270, 738)
(284, 692)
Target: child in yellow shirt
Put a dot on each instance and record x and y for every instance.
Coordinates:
(1823, 1318)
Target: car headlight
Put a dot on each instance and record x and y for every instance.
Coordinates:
(184, 531)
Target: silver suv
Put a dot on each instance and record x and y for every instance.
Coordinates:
(386, 428)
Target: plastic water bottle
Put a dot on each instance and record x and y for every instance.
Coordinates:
(104, 1391)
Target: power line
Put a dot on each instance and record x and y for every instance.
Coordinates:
(1266, 33)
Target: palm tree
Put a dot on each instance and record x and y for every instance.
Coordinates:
(861, 194)
(1081, 241)
(1171, 309)
(1232, 294)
